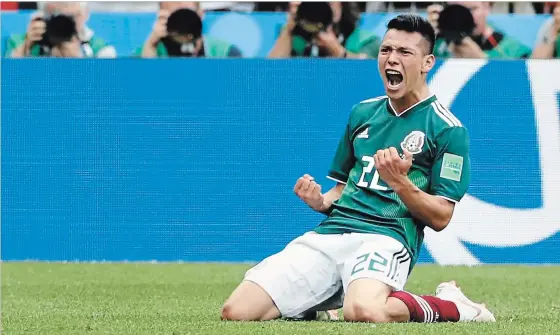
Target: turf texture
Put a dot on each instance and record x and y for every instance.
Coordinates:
(174, 298)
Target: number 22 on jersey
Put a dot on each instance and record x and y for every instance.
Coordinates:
(374, 184)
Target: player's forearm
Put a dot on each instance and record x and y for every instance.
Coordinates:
(433, 211)
(330, 197)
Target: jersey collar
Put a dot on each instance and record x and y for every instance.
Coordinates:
(418, 105)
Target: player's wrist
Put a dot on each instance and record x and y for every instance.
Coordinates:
(324, 207)
(327, 211)
(402, 185)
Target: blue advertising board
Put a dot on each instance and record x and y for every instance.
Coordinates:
(195, 160)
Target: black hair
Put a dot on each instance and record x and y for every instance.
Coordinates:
(316, 12)
(415, 24)
(185, 21)
(59, 29)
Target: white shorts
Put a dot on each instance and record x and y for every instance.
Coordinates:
(315, 269)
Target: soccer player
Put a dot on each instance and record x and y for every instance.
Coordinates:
(401, 166)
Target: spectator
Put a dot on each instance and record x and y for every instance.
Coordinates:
(548, 38)
(177, 32)
(322, 29)
(38, 40)
(483, 42)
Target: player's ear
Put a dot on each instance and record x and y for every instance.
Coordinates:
(428, 63)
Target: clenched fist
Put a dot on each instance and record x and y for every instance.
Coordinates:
(391, 167)
(310, 192)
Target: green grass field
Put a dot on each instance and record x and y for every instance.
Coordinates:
(54, 298)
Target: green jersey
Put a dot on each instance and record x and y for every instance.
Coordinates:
(440, 147)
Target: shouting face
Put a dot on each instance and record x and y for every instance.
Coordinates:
(404, 59)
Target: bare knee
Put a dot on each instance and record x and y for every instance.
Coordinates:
(360, 312)
(234, 312)
(249, 302)
(246, 312)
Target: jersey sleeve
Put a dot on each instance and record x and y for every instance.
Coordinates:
(451, 174)
(343, 160)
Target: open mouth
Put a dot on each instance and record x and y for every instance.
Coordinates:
(394, 78)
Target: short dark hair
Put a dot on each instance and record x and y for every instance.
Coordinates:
(185, 21)
(316, 12)
(415, 24)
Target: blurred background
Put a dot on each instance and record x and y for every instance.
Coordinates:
(271, 29)
(191, 158)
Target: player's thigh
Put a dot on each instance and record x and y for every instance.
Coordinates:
(299, 277)
(371, 273)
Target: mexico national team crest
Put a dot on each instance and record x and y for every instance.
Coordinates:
(413, 142)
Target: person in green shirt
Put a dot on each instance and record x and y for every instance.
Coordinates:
(86, 43)
(177, 32)
(401, 165)
(484, 42)
(323, 29)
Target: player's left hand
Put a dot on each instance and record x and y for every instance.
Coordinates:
(391, 167)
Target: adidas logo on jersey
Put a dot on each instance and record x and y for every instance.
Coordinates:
(364, 134)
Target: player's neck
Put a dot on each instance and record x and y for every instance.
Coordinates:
(410, 99)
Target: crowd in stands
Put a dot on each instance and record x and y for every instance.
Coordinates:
(312, 29)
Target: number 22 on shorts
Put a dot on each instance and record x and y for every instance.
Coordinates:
(377, 263)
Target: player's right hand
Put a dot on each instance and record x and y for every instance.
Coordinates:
(309, 191)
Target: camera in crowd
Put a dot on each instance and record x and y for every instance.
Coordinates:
(184, 29)
(59, 29)
(311, 19)
(455, 23)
